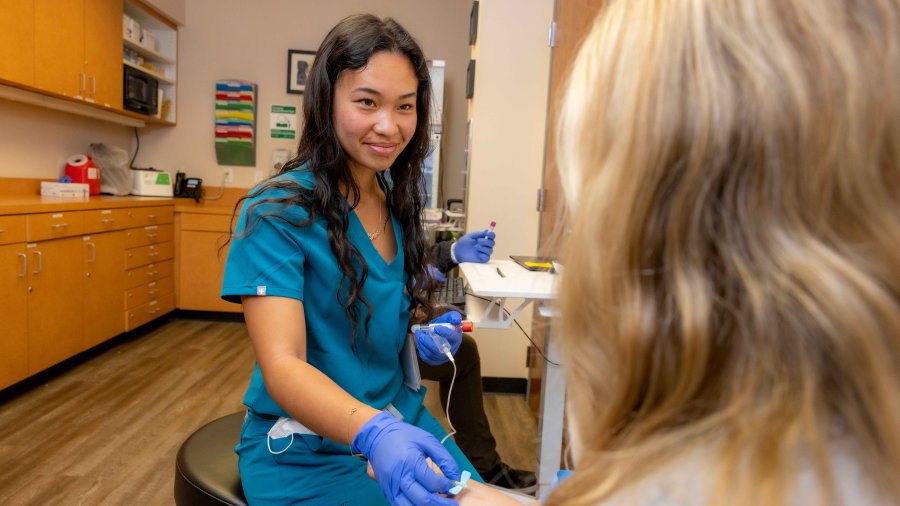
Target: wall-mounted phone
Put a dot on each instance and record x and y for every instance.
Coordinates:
(188, 187)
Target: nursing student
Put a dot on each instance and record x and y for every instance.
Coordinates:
(730, 305)
(328, 259)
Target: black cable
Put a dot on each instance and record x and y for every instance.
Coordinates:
(536, 347)
(136, 149)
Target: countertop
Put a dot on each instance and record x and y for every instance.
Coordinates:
(29, 204)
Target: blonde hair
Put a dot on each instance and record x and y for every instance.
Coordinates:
(732, 170)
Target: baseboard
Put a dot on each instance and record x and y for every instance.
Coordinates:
(495, 385)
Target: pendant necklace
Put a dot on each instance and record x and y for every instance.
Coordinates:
(376, 234)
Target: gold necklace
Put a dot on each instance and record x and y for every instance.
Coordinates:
(376, 234)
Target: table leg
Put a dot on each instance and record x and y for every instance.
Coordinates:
(550, 429)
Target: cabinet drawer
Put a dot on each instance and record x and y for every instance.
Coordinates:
(143, 216)
(12, 229)
(153, 272)
(54, 225)
(206, 222)
(153, 253)
(104, 220)
(151, 234)
(145, 293)
(152, 310)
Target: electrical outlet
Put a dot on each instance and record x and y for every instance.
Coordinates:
(229, 175)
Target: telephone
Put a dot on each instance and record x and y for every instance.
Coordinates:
(188, 187)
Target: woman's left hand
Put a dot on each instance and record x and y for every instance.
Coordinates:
(429, 351)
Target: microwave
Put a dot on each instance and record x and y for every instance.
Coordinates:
(141, 92)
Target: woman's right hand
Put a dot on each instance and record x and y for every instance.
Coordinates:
(397, 452)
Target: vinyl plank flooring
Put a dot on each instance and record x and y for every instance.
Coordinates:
(106, 430)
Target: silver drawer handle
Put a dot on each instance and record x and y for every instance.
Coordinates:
(152, 236)
(154, 311)
(151, 216)
(59, 225)
(152, 292)
(153, 254)
(24, 265)
(152, 273)
(107, 220)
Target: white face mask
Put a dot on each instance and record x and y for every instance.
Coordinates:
(286, 427)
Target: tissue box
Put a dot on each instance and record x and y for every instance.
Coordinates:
(53, 189)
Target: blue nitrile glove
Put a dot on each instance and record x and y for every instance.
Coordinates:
(436, 275)
(474, 247)
(429, 351)
(397, 452)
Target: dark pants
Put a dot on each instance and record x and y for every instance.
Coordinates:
(473, 432)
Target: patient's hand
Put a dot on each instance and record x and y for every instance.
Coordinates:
(475, 493)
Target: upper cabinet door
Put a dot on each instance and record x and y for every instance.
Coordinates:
(16, 41)
(103, 51)
(59, 46)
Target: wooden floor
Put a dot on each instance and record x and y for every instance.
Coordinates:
(106, 430)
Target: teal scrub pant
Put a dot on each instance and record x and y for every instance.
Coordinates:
(314, 470)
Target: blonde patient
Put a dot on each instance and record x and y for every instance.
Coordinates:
(732, 169)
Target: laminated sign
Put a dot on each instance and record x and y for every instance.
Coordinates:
(283, 122)
(236, 123)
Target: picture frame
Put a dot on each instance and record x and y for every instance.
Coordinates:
(299, 63)
(473, 23)
(470, 79)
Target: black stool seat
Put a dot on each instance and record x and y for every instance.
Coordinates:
(206, 469)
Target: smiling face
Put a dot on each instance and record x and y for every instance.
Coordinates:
(375, 111)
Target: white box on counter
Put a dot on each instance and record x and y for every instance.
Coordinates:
(149, 183)
(54, 189)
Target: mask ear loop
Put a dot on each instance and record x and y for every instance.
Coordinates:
(449, 394)
(286, 448)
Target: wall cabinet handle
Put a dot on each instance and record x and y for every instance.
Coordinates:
(82, 84)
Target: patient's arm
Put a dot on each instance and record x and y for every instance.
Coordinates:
(477, 494)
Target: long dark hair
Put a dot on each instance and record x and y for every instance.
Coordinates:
(348, 46)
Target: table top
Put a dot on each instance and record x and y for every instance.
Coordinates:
(505, 278)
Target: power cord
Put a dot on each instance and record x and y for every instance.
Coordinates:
(536, 347)
(136, 149)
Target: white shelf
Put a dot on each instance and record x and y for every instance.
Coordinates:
(146, 52)
(150, 72)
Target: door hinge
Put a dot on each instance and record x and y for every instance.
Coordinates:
(540, 199)
(551, 37)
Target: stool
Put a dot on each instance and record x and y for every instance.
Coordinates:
(206, 469)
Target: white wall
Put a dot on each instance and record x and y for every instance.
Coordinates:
(225, 39)
(508, 112)
(246, 40)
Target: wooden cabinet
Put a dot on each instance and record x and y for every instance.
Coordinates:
(104, 282)
(149, 251)
(67, 284)
(54, 308)
(17, 41)
(201, 259)
(76, 49)
(103, 51)
(13, 307)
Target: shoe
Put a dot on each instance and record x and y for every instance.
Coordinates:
(516, 479)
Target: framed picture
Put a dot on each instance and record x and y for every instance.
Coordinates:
(299, 63)
(470, 79)
(473, 23)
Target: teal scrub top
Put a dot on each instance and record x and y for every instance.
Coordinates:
(280, 259)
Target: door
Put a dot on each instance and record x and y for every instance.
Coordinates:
(104, 287)
(202, 269)
(17, 41)
(54, 302)
(59, 46)
(103, 51)
(13, 306)
(574, 19)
